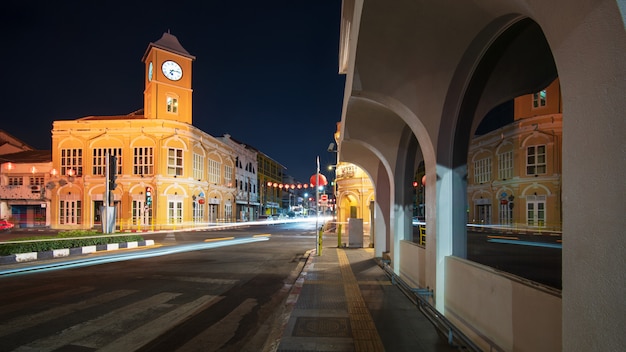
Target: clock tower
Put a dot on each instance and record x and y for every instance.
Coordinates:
(168, 92)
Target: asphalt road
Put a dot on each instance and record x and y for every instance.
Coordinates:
(228, 295)
(532, 257)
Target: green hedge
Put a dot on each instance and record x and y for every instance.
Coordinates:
(86, 238)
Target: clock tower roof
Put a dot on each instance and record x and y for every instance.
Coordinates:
(169, 43)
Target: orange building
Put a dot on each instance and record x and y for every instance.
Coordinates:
(189, 173)
(514, 172)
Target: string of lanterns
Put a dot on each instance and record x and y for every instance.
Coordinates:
(313, 181)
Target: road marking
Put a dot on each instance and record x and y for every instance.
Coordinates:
(103, 324)
(219, 239)
(206, 280)
(213, 338)
(157, 327)
(263, 235)
(31, 320)
(60, 293)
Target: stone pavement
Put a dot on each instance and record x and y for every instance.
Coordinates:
(344, 301)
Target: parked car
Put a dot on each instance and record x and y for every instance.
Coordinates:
(5, 225)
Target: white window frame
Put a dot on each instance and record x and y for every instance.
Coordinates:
(228, 211)
(36, 180)
(198, 166)
(143, 161)
(141, 215)
(214, 172)
(174, 162)
(172, 104)
(536, 211)
(99, 160)
(228, 175)
(536, 160)
(482, 170)
(198, 212)
(540, 99)
(505, 165)
(16, 181)
(506, 214)
(70, 211)
(174, 211)
(72, 159)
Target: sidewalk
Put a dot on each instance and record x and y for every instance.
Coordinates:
(344, 301)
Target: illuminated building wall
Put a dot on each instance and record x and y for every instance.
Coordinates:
(191, 173)
(514, 172)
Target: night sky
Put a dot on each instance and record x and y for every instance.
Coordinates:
(265, 71)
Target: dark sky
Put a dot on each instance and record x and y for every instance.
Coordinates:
(265, 71)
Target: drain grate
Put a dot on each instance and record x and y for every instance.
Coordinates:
(322, 327)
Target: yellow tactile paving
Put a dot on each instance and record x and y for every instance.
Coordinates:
(364, 331)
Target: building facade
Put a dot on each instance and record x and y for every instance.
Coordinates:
(514, 176)
(246, 180)
(354, 194)
(271, 175)
(168, 173)
(25, 188)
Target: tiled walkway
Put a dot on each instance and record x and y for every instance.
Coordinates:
(343, 301)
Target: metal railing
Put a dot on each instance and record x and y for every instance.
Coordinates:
(418, 296)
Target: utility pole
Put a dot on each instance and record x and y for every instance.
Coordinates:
(317, 212)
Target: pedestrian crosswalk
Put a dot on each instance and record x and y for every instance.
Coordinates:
(28, 321)
(93, 319)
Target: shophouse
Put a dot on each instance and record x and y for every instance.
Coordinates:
(24, 187)
(515, 171)
(270, 184)
(246, 179)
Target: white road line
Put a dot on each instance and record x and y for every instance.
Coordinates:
(84, 329)
(206, 280)
(25, 322)
(148, 332)
(62, 291)
(213, 338)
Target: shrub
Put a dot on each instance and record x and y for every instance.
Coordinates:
(83, 238)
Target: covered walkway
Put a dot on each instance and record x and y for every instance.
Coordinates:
(420, 76)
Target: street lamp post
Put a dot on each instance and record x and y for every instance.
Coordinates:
(318, 180)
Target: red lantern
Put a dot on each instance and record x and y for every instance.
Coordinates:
(424, 180)
(322, 179)
(201, 201)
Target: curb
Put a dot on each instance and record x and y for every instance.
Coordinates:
(66, 252)
(289, 304)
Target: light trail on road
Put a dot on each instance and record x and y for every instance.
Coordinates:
(144, 253)
(526, 243)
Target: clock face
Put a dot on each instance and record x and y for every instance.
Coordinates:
(150, 71)
(172, 70)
